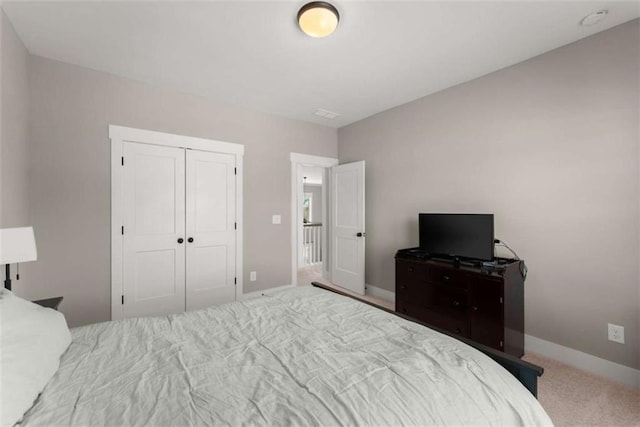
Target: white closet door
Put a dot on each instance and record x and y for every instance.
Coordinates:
(211, 229)
(154, 222)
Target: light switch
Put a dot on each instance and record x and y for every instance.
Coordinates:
(252, 276)
(276, 219)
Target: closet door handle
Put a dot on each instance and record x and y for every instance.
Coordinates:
(180, 240)
(190, 240)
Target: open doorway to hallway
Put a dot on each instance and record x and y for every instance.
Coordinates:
(310, 233)
(315, 204)
(311, 247)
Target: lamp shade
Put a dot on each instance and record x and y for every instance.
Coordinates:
(17, 245)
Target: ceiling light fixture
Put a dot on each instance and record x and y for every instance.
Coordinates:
(318, 19)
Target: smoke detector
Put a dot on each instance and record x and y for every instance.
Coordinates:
(594, 18)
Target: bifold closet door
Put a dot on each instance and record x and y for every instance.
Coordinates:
(154, 230)
(211, 229)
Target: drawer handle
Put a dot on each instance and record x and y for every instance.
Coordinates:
(458, 330)
(445, 278)
(410, 269)
(456, 303)
(474, 308)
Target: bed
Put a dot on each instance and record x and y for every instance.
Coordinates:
(303, 356)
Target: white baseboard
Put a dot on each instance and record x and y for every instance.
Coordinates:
(584, 361)
(264, 292)
(380, 293)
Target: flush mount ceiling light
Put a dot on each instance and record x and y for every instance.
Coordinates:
(594, 18)
(318, 19)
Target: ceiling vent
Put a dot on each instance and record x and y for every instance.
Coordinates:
(326, 114)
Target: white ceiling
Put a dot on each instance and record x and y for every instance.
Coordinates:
(252, 54)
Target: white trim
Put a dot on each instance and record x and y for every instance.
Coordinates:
(326, 229)
(265, 292)
(297, 160)
(584, 361)
(299, 197)
(316, 161)
(380, 293)
(294, 216)
(240, 226)
(117, 285)
(117, 136)
(171, 140)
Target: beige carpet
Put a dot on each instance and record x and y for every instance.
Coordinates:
(573, 397)
(308, 274)
(313, 273)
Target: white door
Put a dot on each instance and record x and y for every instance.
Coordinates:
(347, 222)
(211, 229)
(154, 229)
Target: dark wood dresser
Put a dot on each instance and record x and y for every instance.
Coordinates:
(485, 305)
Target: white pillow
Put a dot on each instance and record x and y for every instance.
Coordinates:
(32, 339)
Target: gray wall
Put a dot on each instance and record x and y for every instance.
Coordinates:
(551, 147)
(316, 204)
(70, 110)
(14, 152)
(14, 140)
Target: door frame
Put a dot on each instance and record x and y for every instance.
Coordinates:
(118, 135)
(297, 161)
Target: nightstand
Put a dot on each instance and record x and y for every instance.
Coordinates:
(50, 302)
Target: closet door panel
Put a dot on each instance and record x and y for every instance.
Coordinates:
(154, 220)
(210, 222)
(155, 273)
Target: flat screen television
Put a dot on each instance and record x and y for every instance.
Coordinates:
(457, 235)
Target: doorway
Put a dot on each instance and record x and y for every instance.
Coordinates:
(311, 249)
(340, 246)
(310, 219)
(332, 252)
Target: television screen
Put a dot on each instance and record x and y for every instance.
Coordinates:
(457, 235)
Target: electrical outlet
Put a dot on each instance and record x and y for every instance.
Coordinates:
(616, 333)
(252, 276)
(276, 219)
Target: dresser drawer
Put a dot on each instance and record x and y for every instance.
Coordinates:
(450, 301)
(446, 276)
(446, 300)
(456, 324)
(408, 273)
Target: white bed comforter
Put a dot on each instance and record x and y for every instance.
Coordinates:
(299, 357)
